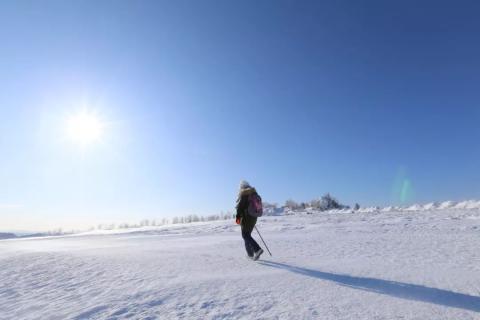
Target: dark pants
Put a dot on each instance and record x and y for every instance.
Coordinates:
(251, 245)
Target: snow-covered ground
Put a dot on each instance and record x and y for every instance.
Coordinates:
(390, 264)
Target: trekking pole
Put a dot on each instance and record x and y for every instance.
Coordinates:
(263, 242)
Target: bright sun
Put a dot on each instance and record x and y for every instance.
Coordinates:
(84, 128)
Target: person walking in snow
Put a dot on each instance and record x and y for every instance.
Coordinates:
(249, 206)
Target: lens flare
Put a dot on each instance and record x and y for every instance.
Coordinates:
(405, 193)
(402, 190)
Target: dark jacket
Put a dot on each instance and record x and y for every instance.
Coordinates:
(247, 221)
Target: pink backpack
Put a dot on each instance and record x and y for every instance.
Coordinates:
(255, 207)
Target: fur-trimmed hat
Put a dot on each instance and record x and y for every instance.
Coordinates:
(244, 185)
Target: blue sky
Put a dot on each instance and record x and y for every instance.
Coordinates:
(376, 102)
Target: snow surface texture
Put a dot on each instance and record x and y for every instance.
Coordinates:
(365, 265)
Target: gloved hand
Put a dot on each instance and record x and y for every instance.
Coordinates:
(238, 220)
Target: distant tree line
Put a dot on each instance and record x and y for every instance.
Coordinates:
(165, 221)
(323, 203)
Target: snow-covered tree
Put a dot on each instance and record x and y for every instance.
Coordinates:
(327, 202)
(292, 205)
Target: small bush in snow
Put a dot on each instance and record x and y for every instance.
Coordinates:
(292, 205)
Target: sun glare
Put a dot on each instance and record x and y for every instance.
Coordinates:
(84, 128)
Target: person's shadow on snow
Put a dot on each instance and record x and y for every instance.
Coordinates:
(391, 288)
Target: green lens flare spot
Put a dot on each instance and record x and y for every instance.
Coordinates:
(406, 191)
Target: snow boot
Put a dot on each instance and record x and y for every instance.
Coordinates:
(257, 254)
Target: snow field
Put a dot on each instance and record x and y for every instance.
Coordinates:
(365, 265)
